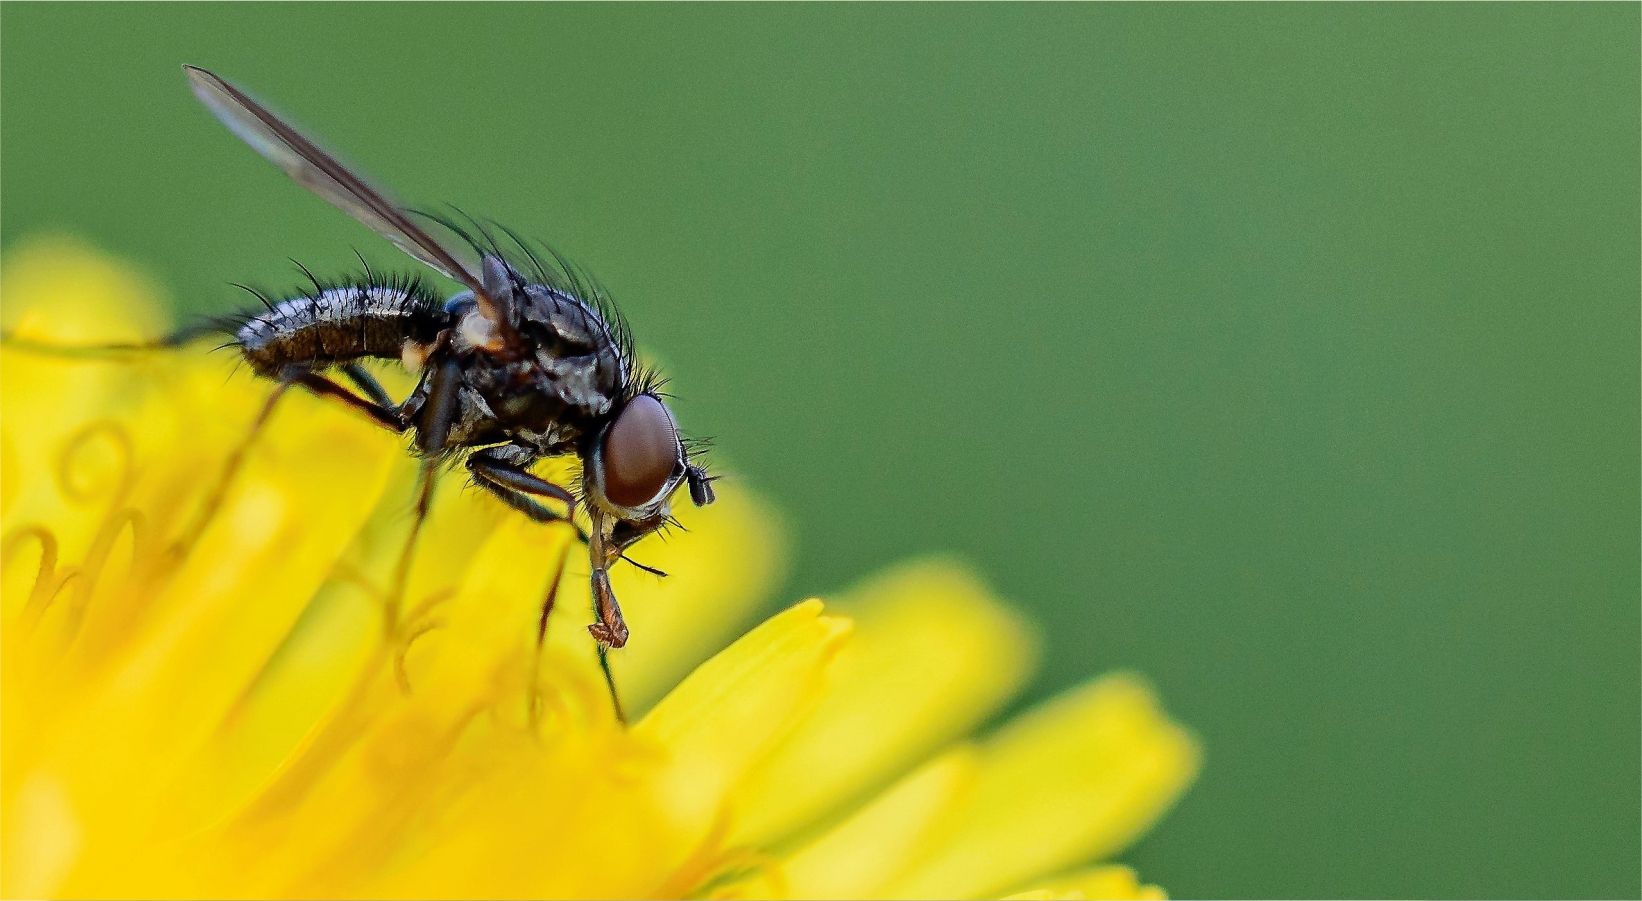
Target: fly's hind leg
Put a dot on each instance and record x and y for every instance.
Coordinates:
(218, 492)
(118, 350)
(367, 383)
(385, 415)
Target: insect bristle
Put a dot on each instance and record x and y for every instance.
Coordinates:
(545, 266)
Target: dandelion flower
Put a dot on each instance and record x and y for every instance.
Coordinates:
(204, 694)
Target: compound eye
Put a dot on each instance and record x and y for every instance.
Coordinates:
(640, 452)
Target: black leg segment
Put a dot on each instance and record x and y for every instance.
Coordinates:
(387, 417)
(367, 383)
(502, 471)
(442, 407)
(508, 475)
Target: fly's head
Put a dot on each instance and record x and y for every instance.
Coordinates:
(634, 466)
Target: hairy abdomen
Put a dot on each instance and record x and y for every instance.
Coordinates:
(337, 325)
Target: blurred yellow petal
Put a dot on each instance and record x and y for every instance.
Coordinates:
(862, 855)
(933, 655)
(340, 633)
(728, 714)
(1077, 779)
(721, 565)
(58, 289)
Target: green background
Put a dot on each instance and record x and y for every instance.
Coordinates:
(1286, 353)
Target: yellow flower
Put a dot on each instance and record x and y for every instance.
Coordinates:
(202, 695)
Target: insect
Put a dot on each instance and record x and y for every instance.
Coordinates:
(521, 365)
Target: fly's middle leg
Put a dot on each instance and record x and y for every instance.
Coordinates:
(504, 472)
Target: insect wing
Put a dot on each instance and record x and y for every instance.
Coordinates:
(320, 173)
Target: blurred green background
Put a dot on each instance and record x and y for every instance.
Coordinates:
(1286, 353)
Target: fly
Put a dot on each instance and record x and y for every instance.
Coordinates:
(523, 364)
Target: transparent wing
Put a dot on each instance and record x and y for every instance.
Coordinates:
(320, 173)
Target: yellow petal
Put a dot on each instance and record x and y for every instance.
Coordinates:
(57, 291)
(695, 743)
(60, 290)
(721, 566)
(736, 706)
(864, 853)
(1077, 779)
(340, 634)
(933, 654)
(222, 616)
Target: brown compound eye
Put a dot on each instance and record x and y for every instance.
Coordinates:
(640, 452)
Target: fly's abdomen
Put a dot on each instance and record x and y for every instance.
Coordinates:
(339, 324)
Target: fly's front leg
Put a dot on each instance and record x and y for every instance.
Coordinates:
(611, 629)
(607, 544)
(442, 406)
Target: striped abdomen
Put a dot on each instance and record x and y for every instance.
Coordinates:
(339, 324)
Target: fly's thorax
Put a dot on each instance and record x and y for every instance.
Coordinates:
(566, 380)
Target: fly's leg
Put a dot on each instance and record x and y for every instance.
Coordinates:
(611, 630)
(610, 682)
(385, 414)
(114, 351)
(219, 491)
(524, 503)
(551, 597)
(608, 543)
(507, 475)
(401, 571)
(438, 414)
(378, 406)
(504, 471)
(548, 600)
(367, 383)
